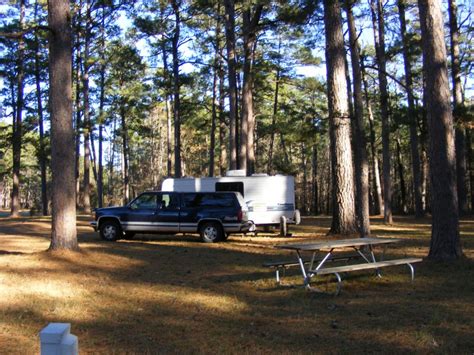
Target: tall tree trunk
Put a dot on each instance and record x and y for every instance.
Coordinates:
(412, 116)
(247, 149)
(222, 123)
(379, 38)
(401, 175)
(215, 102)
(231, 67)
(176, 86)
(470, 166)
(445, 241)
(86, 198)
(42, 145)
(360, 154)
(100, 179)
(17, 127)
(344, 216)
(315, 171)
(275, 112)
(78, 109)
(460, 139)
(125, 157)
(63, 231)
(166, 75)
(378, 201)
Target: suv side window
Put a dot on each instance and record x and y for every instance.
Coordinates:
(167, 200)
(190, 200)
(144, 202)
(208, 200)
(217, 200)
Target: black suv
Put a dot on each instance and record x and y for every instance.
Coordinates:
(214, 215)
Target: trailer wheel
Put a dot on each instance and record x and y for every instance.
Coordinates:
(297, 217)
(283, 226)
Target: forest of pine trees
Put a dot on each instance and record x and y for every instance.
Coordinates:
(367, 103)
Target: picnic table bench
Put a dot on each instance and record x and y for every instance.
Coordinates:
(364, 248)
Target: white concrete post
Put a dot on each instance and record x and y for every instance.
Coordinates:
(56, 340)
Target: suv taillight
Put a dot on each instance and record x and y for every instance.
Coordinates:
(239, 216)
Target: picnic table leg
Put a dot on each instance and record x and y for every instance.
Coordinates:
(377, 271)
(303, 270)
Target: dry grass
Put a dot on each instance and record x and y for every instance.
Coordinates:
(174, 294)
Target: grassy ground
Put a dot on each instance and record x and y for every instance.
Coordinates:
(175, 294)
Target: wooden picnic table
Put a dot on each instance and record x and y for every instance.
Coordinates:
(364, 248)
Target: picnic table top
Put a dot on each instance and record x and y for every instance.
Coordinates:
(337, 243)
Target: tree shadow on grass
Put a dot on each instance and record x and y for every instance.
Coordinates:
(164, 293)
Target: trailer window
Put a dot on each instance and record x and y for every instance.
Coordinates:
(230, 186)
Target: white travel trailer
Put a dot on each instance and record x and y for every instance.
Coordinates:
(270, 199)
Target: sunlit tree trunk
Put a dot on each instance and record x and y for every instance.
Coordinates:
(360, 154)
(231, 67)
(63, 231)
(125, 157)
(86, 198)
(176, 90)
(379, 38)
(247, 149)
(100, 177)
(344, 216)
(445, 241)
(460, 139)
(17, 126)
(274, 113)
(412, 117)
(314, 182)
(378, 201)
(401, 175)
(42, 144)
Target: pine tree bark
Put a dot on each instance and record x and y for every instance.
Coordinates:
(275, 111)
(176, 90)
(42, 144)
(17, 126)
(86, 198)
(378, 201)
(231, 67)
(361, 160)
(445, 240)
(379, 38)
(222, 123)
(63, 231)
(403, 191)
(344, 216)
(125, 157)
(460, 138)
(412, 117)
(100, 178)
(247, 148)
(314, 180)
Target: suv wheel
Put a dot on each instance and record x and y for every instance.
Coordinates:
(110, 231)
(211, 232)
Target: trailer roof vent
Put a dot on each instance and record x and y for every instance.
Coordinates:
(240, 172)
(260, 174)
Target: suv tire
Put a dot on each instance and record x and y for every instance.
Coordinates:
(110, 231)
(211, 232)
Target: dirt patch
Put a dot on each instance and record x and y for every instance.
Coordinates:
(167, 293)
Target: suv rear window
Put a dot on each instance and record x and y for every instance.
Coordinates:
(208, 200)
